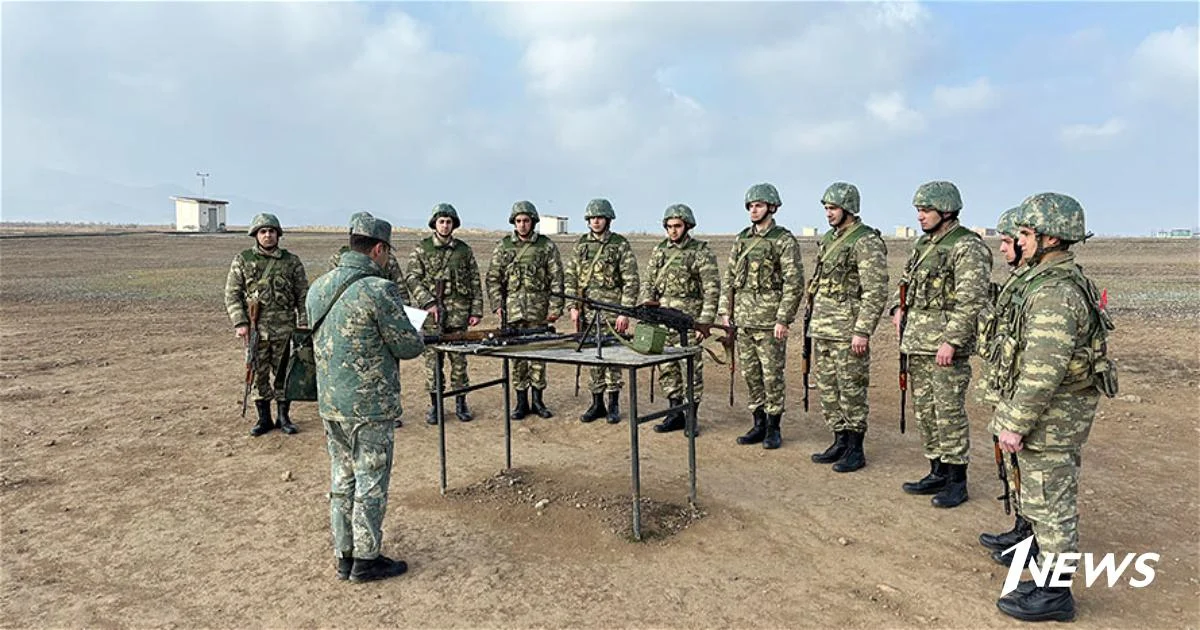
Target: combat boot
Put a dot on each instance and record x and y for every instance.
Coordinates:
(264, 423)
(285, 422)
(853, 458)
(596, 411)
(431, 415)
(696, 421)
(614, 407)
(377, 568)
(460, 409)
(756, 434)
(773, 438)
(931, 483)
(344, 565)
(674, 421)
(1021, 530)
(537, 405)
(954, 493)
(1006, 559)
(1050, 603)
(835, 450)
(522, 408)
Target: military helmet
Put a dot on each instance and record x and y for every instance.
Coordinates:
(444, 210)
(682, 212)
(842, 195)
(263, 220)
(941, 196)
(523, 207)
(1007, 223)
(599, 208)
(1054, 214)
(765, 193)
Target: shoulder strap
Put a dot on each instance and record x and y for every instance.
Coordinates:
(848, 239)
(337, 296)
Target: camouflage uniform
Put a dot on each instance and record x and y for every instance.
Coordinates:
(764, 278)
(602, 268)
(1052, 368)
(685, 276)
(528, 270)
(392, 271)
(357, 346)
(277, 280)
(848, 292)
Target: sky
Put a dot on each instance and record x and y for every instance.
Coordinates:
(317, 110)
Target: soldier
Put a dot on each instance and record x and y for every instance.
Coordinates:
(602, 267)
(442, 260)
(847, 294)
(528, 267)
(683, 274)
(947, 278)
(275, 278)
(361, 334)
(763, 282)
(1053, 367)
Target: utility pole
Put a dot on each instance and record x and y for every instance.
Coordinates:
(203, 178)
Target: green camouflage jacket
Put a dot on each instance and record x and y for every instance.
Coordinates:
(277, 280)
(993, 327)
(360, 342)
(849, 283)
(451, 261)
(392, 271)
(529, 271)
(948, 278)
(684, 276)
(766, 276)
(603, 269)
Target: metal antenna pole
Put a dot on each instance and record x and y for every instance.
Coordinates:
(203, 179)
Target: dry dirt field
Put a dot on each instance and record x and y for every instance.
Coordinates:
(131, 494)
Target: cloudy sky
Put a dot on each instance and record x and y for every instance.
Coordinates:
(321, 109)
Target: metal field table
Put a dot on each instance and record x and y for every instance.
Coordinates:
(611, 356)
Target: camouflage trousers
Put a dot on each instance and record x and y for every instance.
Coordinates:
(360, 467)
(602, 379)
(526, 373)
(763, 360)
(1049, 499)
(458, 364)
(671, 375)
(939, 396)
(270, 353)
(842, 379)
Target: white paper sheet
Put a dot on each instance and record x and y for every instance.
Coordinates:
(416, 316)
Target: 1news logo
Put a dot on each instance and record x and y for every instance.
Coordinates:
(1059, 567)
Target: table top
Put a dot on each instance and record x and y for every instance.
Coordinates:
(612, 356)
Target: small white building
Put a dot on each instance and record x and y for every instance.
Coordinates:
(550, 224)
(197, 214)
(808, 231)
(903, 231)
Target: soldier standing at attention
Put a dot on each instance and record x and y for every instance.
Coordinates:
(392, 270)
(275, 279)
(947, 278)
(763, 282)
(847, 293)
(682, 274)
(602, 267)
(528, 267)
(362, 333)
(440, 260)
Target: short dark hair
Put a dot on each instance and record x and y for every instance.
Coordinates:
(363, 244)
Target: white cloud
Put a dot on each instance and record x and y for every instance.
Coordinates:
(976, 95)
(1165, 66)
(1083, 135)
(893, 113)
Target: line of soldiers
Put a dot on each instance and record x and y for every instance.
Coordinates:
(1041, 334)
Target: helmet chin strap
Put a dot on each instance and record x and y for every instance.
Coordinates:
(842, 221)
(940, 223)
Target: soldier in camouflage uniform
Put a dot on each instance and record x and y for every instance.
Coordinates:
(683, 274)
(275, 278)
(1052, 368)
(392, 271)
(361, 335)
(947, 275)
(440, 257)
(764, 281)
(527, 266)
(602, 267)
(847, 294)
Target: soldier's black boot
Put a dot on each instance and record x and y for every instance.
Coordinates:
(344, 565)
(696, 415)
(1051, 603)
(285, 421)
(537, 405)
(1006, 559)
(673, 421)
(773, 438)
(522, 408)
(614, 407)
(1021, 530)
(431, 415)
(264, 423)
(954, 493)
(853, 458)
(460, 409)
(835, 450)
(756, 434)
(378, 568)
(931, 483)
(596, 411)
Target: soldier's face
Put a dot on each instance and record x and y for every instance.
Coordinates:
(1007, 248)
(676, 229)
(929, 218)
(834, 214)
(524, 225)
(598, 225)
(444, 226)
(268, 238)
(759, 211)
(380, 252)
(1027, 238)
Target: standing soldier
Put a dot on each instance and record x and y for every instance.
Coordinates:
(763, 282)
(526, 267)
(1053, 367)
(443, 277)
(273, 278)
(602, 267)
(392, 270)
(683, 274)
(947, 278)
(847, 294)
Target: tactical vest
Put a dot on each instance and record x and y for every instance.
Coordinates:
(449, 264)
(683, 259)
(592, 256)
(270, 281)
(767, 275)
(992, 317)
(930, 273)
(836, 274)
(524, 269)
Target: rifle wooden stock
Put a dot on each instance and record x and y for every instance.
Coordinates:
(489, 333)
(251, 352)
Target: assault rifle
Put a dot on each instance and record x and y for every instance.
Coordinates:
(439, 300)
(487, 334)
(730, 342)
(903, 355)
(251, 352)
(672, 318)
(806, 348)
(1001, 472)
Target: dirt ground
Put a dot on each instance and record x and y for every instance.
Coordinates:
(131, 494)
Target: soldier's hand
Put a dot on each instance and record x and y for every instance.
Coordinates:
(622, 324)
(472, 321)
(551, 318)
(242, 332)
(859, 345)
(781, 331)
(945, 354)
(433, 311)
(896, 320)
(1011, 442)
(725, 319)
(575, 316)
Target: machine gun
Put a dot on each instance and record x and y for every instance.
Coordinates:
(251, 353)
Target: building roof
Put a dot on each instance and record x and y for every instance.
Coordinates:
(199, 200)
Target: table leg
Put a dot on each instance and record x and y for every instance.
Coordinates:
(633, 452)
